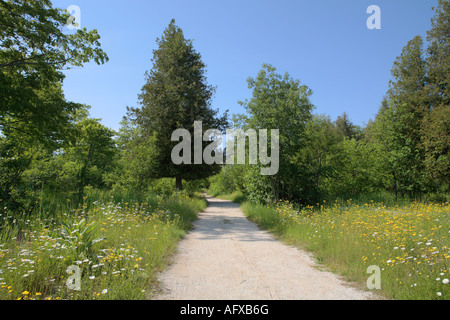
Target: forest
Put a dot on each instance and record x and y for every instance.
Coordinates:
(57, 163)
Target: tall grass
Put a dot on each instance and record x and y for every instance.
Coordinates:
(409, 243)
(119, 242)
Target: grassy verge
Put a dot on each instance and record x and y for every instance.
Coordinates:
(409, 243)
(118, 245)
(237, 196)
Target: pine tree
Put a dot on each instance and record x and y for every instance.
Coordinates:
(401, 119)
(436, 127)
(175, 95)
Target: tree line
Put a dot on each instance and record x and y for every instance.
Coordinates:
(404, 151)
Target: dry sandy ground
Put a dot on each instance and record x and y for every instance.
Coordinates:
(227, 257)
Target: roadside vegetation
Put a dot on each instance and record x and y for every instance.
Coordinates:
(409, 243)
(119, 242)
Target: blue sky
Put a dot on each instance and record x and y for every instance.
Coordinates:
(323, 43)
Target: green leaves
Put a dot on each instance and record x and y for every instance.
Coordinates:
(412, 126)
(176, 95)
(32, 35)
(81, 237)
(278, 102)
(33, 52)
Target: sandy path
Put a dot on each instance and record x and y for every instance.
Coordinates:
(227, 257)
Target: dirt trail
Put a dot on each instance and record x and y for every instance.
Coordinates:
(227, 257)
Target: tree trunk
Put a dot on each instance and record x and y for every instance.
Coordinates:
(179, 183)
(395, 186)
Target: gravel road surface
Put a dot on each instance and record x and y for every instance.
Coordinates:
(227, 257)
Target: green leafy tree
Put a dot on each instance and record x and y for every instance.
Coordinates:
(358, 168)
(278, 102)
(176, 95)
(82, 162)
(317, 158)
(135, 167)
(33, 52)
(35, 118)
(93, 153)
(15, 157)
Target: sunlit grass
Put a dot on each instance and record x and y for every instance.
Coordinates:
(410, 243)
(119, 247)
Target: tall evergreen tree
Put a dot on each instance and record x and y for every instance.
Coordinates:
(436, 127)
(398, 123)
(346, 128)
(175, 95)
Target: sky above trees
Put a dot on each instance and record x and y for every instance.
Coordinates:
(323, 43)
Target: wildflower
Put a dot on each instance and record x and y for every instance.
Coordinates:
(92, 277)
(439, 294)
(445, 281)
(25, 292)
(104, 291)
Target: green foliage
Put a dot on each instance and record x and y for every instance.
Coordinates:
(175, 96)
(164, 186)
(412, 127)
(135, 163)
(229, 179)
(318, 157)
(80, 236)
(33, 51)
(37, 124)
(277, 102)
(358, 169)
(138, 234)
(93, 150)
(436, 124)
(346, 129)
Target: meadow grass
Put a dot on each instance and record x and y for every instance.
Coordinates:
(119, 244)
(408, 242)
